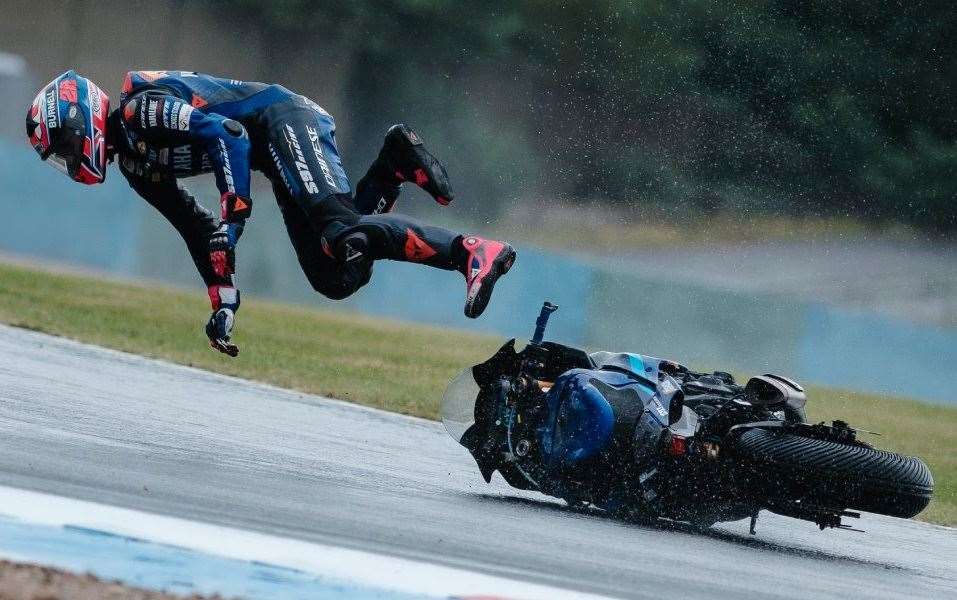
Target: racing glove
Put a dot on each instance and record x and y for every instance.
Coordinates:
(223, 296)
(222, 250)
(219, 328)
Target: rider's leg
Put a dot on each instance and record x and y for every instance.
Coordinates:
(312, 191)
(331, 277)
(398, 237)
(307, 163)
(403, 157)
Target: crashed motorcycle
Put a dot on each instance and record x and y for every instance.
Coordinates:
(646, 439)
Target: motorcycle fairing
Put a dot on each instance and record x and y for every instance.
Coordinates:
(582, 419)
(644, 368)
(504, 361)
(668, 397)
(482, 447)
(586, 410)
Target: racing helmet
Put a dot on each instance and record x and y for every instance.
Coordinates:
(66, 125)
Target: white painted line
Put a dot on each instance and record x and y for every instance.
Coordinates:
(354, 566)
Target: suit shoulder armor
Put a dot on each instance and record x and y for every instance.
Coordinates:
(135, 81)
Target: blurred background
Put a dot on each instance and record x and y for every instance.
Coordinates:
(749, 185)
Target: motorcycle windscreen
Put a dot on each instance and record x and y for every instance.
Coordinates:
(458, 404)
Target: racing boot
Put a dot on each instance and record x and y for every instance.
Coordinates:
(402, 158)
(484, 262)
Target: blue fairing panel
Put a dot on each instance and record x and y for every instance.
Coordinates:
(579, 420)
(645, 368)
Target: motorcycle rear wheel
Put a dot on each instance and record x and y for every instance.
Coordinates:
(791, 467)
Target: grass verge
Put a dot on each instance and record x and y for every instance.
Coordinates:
(386, 364)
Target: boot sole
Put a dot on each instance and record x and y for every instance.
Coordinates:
(500, 267)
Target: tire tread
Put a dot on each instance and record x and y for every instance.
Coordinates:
(856, 477)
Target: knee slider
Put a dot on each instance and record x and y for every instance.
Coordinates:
(368, 237)
(378, 234)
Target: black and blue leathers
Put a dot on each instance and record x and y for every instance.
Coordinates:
(175, 124)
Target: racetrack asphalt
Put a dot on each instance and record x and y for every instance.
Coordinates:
(99, 425)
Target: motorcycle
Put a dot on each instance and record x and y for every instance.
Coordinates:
(645, 439)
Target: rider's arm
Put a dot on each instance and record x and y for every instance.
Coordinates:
(165, 120)
(192, 221)
(199, 230)
(170, 120)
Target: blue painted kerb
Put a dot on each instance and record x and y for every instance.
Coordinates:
(177, 570)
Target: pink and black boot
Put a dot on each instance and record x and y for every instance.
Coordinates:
(403, 158)
(485, 262)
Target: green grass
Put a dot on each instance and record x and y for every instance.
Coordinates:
(379, 363)
(906, 426)
(386, 364)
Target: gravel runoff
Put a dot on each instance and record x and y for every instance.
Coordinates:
(34, 582)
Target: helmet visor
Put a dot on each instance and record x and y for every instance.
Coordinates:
(60, 164)
(66, 151)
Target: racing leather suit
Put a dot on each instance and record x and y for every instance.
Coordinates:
(174, 124)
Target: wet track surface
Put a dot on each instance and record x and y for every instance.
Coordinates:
(109, 427)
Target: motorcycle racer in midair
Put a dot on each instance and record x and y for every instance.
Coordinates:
(174, 124)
